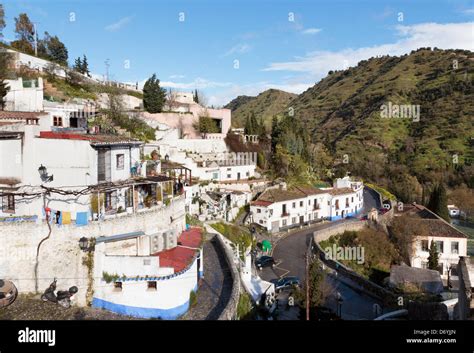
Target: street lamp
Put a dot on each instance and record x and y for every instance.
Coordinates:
(84, 245)
(43, 172)
(339, 304)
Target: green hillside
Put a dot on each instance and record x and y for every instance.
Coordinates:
(265, 105)
(343, 113)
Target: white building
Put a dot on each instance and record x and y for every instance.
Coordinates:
(152, 275)
(32, 160)
(24, 95)
(450, 242)
(281, 208)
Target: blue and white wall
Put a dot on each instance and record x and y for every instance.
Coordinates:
(168, 301)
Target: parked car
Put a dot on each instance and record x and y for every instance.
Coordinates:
(264, 261)
(363, 218)
(286, 283)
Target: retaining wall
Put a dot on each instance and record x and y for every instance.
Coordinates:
(230, 310)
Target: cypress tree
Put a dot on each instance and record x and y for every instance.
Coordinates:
(433, 257)
(438, 202)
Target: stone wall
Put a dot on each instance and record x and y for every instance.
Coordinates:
(60, 255)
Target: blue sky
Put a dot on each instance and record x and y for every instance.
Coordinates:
(287, 44)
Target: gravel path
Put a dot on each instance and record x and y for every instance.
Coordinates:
(215, 287)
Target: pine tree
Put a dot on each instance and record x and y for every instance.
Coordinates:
(85, 66)
(78, 64)
(25, 34)
(433, 257)
(154, 97)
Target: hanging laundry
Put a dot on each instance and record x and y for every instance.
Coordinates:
(65, 217)
(82, 218)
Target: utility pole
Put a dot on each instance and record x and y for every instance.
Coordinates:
(107, 65)
(307, 280)
(35, 38)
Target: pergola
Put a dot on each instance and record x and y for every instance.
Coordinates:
(177, 171)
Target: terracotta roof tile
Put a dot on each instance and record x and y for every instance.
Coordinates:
(20, 115)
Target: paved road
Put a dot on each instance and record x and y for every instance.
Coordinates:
(289, 254)
(215, 287)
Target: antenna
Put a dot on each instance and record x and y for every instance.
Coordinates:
(107, 65)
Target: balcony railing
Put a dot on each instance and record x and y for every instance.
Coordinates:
(285, 214)
(316, 207)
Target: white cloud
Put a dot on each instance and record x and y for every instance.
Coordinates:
(443, 36)
(240, 48)
(173, 77)
(468, 11)
(311, 31)
(119, 24)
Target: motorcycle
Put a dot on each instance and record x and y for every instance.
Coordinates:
(62, 297)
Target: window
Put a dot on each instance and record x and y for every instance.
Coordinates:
(247, 174)
(283, 222)
(424, 245)
(440, 246)
(118, 286)
(283, 210)
(294, 204)
(260, 221)
(337, 205)
(454, 247)
(337, 213)
(108, 201)
(293, 220)
(229, 176)
(215, 175)
(352, 199)
(315, 215)
(229, 169)
(309, 202)
(120, 161)
(301, 203)
(424, 264)
(57, 121)
(152, 285)
(8, 204)
(259, 210)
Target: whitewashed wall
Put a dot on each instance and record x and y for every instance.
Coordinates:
(60, 255)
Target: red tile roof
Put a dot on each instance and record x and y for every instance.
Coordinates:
(261, 203)
(20, 115)
(182, 255)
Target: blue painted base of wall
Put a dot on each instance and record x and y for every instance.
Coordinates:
(335, 218)
(146, 313)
